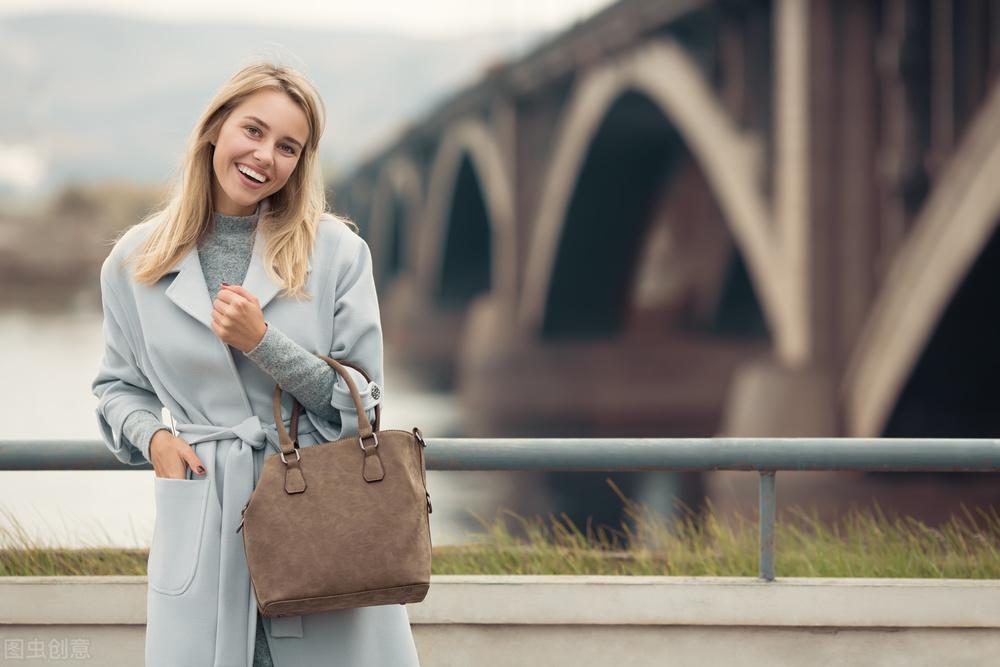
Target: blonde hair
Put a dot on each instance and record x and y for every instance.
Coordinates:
(288, 219)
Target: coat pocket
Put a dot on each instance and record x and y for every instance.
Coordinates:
(178, 532)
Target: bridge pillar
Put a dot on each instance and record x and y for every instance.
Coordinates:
(511, 385)
(767, 398)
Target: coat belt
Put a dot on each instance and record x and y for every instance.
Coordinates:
(250, 431)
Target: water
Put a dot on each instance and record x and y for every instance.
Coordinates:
(51, 359)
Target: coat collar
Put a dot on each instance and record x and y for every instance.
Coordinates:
(189, 291)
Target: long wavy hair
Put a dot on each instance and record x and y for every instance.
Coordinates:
(288, 219)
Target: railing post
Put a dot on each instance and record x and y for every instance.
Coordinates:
(766, 511)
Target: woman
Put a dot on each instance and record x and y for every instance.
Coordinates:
(249, 208)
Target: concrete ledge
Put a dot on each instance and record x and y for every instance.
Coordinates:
(790, 602)
(584, 620)
(584, 600)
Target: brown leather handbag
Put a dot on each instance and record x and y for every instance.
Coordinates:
(339, 524)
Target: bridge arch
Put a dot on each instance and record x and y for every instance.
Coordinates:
(468, 157)
(957, 225)
(392, 230)
(663, 73)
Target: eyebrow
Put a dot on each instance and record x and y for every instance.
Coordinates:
(268, 127)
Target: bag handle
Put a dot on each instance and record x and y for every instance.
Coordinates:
(365, 429)
(368, 379)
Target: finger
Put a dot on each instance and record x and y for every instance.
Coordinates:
(173, 474)
(227, 296)
(239, 289)
(242, 291)
(194, 462)
(232, 297)
(222, 307)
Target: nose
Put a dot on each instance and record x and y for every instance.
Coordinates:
(263, 157)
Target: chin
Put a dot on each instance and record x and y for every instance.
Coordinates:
(251, 201)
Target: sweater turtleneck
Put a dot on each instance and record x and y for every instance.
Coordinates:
(225, 250)
(236, 221)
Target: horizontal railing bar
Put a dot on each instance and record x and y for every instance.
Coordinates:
(610, 454)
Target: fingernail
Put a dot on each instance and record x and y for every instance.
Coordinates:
(201, 470)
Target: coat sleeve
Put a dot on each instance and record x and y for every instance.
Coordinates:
(357, 338)
(120, 385)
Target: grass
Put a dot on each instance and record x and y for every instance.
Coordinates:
(864, 543)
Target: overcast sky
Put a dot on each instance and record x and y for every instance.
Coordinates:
(427, 18)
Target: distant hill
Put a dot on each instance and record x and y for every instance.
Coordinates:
(98, 96)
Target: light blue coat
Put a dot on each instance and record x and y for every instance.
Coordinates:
(160, 350)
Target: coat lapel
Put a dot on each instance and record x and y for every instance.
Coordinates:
(188, 289)
(190, 293)
(257, 282)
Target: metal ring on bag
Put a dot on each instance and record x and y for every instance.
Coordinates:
(297, 457)
(361, 442)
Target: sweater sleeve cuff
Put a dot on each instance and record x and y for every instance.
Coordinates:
(270, 351)
(268, 334)
(139, 427)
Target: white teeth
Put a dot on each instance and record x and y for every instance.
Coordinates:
(251, 173)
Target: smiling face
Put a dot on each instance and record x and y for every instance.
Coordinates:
(261, 140)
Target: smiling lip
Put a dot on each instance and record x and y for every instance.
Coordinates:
(249, 182)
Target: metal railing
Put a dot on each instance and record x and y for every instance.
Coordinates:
(765, 455)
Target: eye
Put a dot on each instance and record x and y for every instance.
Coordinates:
(287, 147)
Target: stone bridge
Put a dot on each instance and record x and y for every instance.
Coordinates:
(696, 218)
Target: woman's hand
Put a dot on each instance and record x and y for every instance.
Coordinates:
(237, 318)
(171, 456)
